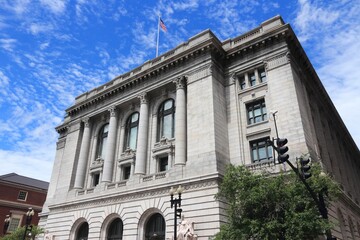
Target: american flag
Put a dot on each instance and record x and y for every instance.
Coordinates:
(162, 25)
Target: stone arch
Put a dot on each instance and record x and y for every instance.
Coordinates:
(144, 220)
(75, 227)
(159, 100)
(106, 224)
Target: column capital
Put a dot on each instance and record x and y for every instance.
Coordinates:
(180, 82)
(86, 121)
(232, 77)
(112, 111)
(143, 98)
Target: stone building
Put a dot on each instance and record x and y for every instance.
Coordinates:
(179, 119)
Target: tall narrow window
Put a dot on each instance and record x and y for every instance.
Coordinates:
(166, 119)
(163, 163)
(132, 124)
(242, 82)
(83, 232)
(95, 179)
(126, 172)
(262, 75)
(22, 195)
(155, 228)
(260, 150)
(115, 231)
(252, 79)
(256, 111)
(103, 134)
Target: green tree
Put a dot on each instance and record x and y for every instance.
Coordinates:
(18, 234)
(267, 206)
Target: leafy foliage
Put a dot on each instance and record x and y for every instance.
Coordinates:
(19, 233)
(265, 206)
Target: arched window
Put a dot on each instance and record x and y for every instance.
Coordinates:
(102, 139)
(155, 228)
(132, 124)
(115, 231)
(83, 232)
(166, 119)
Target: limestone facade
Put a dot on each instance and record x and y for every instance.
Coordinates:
(179, 119)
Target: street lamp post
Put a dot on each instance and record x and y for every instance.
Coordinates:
(29, 215)
(176, 202)
(6, 224)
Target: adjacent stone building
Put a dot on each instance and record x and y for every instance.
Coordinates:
(179, 119)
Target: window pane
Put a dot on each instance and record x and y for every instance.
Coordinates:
(103, 148)
(168, 104)
(106, 128)
(14, 224)
(133, 137)
(262, 153)
(242, 82)
(262, 75)
(254, 155)
(252, 79)
(167, 126)
(134, 117)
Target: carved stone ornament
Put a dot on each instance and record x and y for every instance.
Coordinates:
(86, 122)
(185, 230)
(112, 111)
(143, 98)
(180, 82)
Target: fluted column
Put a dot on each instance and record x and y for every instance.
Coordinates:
(180, 122)
(140, 163)
(83, 156)
(110, 147)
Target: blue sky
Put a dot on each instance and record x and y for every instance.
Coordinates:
(52, 51)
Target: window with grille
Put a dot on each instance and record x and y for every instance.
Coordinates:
(256, 111)
(260, 150)
(22, 195)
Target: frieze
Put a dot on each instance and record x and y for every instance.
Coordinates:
(129, 197)
(60, 144)
(277, 61)
(199, 73)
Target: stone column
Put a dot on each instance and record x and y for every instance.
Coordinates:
(257, 77)
(141, 147)
(110, 147)
(180, 122)
(83, 156)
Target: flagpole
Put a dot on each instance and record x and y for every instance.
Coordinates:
(157, 39)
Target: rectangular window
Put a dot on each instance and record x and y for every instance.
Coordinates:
(260, 150)
(96, 179)
(22, 195)
(262, 75)
(14, 224)
(126, 172)
(242, 82)
(163, 164)
(256, 111)
(252, 79)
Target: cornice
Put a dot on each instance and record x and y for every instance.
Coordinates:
(135, 194)
(148, 70)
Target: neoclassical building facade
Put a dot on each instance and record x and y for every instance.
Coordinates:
(179, 119)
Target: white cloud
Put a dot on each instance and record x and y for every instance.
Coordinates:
(8, 44)
(19, 7)
(329, 31)
(36, 28)
(57, 6)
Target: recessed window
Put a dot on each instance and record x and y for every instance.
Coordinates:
(14, 223)
(126, 172)
(252, 79)
(22, 195)
(102, 139)
(95, 179)
(132, 125)
(163, 163)
(83, 232)
(115, 231)
(256, 111)
(242, 82)
(260, 150)
(155, 227)
(262, 75)
(166, 119)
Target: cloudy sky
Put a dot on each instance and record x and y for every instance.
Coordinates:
(54, 50)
